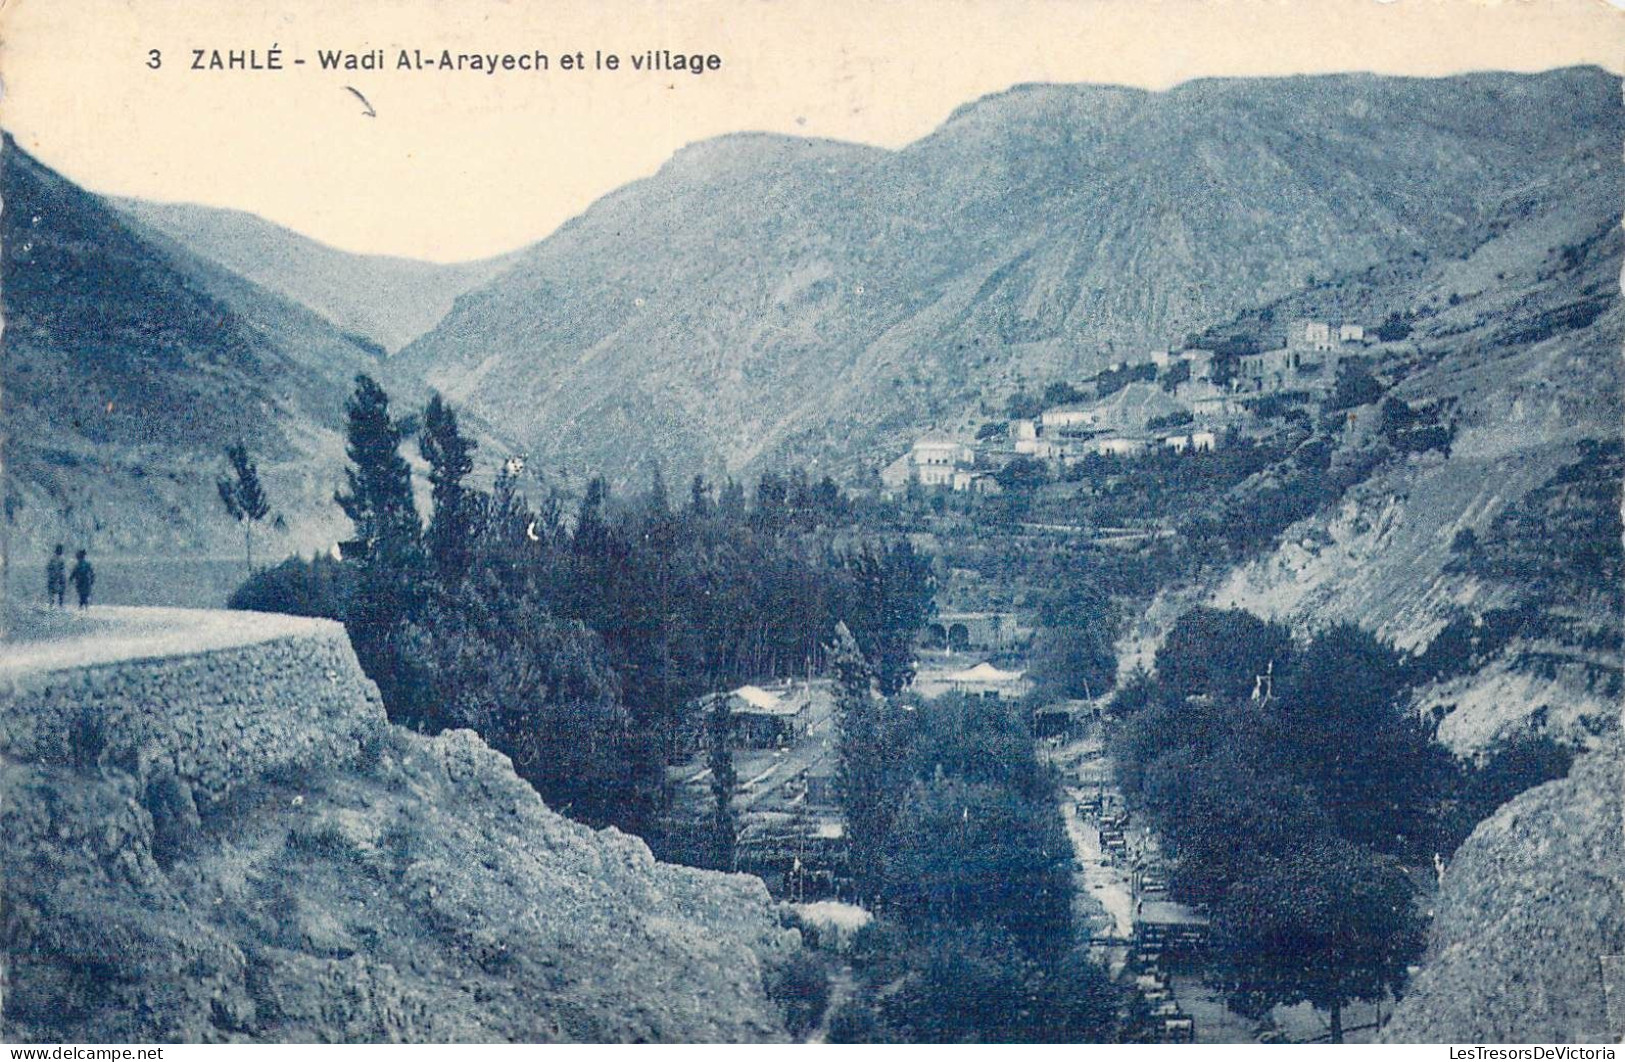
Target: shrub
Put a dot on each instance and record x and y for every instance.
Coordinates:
(1356, 386)
(800, 986)
(1394, 328)
(858, 1022)
(317, 587)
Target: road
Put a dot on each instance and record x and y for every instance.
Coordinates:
(39, 638)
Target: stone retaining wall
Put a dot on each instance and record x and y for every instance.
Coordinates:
(211, 721)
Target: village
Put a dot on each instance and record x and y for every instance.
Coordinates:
(1180, 401)
(978, 645)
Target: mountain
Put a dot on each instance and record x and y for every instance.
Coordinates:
(764, 298)
(384, 300)
(130, 364)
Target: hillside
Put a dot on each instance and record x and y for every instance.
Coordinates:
(764, 297)
(1515, 352)
(1530, 923)
(383, 300)
(131, 363)
(237, 846)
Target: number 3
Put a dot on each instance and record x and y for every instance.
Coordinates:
(155, 58)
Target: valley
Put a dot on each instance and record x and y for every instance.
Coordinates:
(1041, 551)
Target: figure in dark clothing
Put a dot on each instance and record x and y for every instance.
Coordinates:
(84, 577)
(56, 578)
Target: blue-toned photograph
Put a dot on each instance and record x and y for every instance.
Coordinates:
(1000, 522)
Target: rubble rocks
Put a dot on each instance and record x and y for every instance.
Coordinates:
(245, 850)
(1529, 913)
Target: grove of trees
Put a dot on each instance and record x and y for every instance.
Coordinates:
(969, 871)
(579, 643)
(1292, 788)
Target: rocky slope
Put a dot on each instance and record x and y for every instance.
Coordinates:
(387, 301)
(235, 845)
(129, 366)
(1530, 923)
(131, 362)
(763, 297)
(1516, 348)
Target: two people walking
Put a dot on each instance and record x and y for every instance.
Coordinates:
(57, 578)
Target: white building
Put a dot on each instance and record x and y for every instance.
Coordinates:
(1200, 361)
(1120, 446)
(1043, 449)
(1067, 417)
(967, 481)
(1310, 335)
(1204, 441)
(937, 449)
(985, 680)
(930, 462)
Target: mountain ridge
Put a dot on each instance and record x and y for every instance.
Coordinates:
(387, 299)
(130, 363)
(769, 288)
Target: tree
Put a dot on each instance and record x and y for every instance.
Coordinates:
(1023, 473)
(699, 496)
(1345, 732)
(1394, 327)
(244, 497)
(1221, 653)
(378, 484)
(861, 775)
(894, 591)
(1023, 406)
(964, 985)
(592, 530)
(1356, 386)
(386, 547)
(731, 503)
(1061, 393)
(724, 779)
(1177, 373)
(1074, 661)
(1220, 813)
(451, 458)
(971, 852)
(1327, 924)
(537, 687)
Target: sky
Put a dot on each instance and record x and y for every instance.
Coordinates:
(457, 165)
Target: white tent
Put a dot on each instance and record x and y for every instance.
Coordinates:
(986, 674)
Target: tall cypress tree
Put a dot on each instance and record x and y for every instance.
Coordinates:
(386, 547)
(861, 776)
(378, 494)
(451, 458)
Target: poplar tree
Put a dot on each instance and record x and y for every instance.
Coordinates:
(724, 779)
(452, 526)
(244, 496)
(894, 598)
(861, 777)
